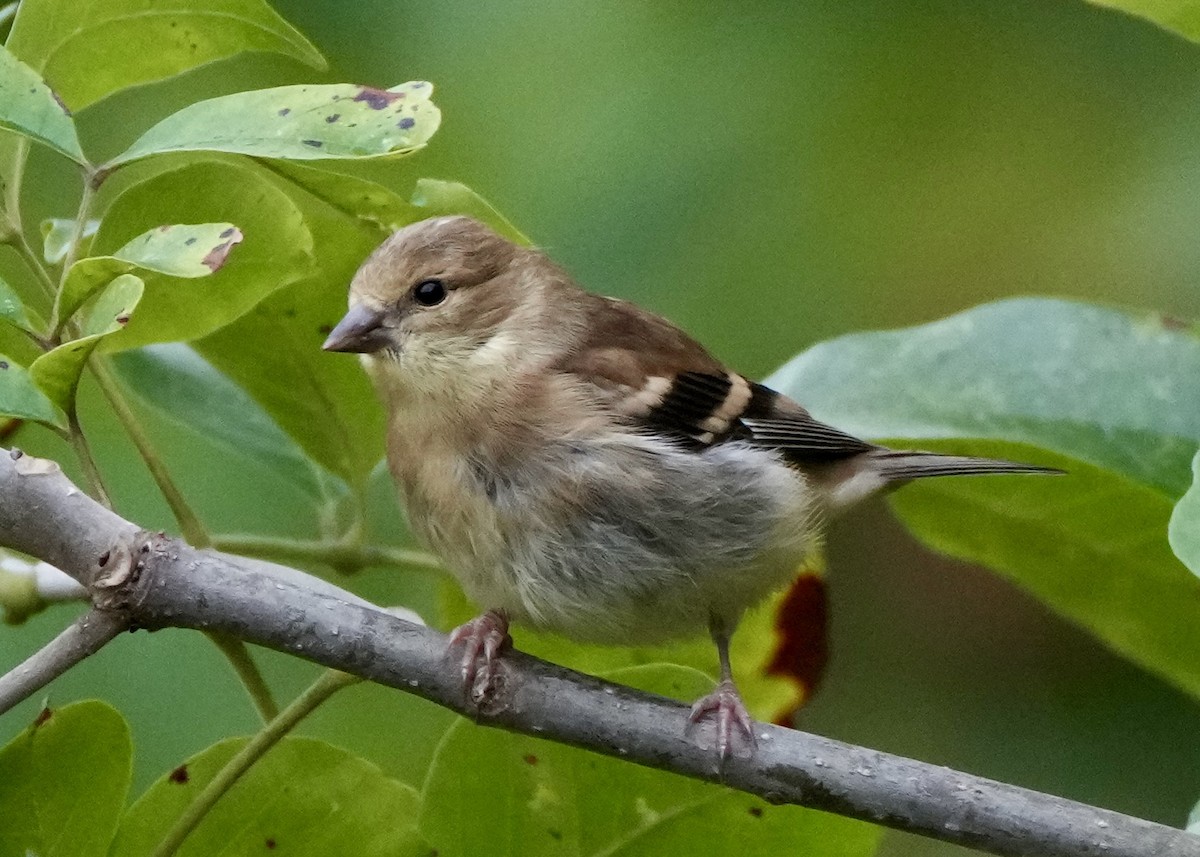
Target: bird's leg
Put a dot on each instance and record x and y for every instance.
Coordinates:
(724, 705)
(482, 639)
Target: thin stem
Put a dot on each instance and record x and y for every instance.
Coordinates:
(252, 678)
(189, 523)
(81, 639)
(87, 461)
(12, 193)
(343, 556)
(324, 687)
(85, 208)
(21, 244)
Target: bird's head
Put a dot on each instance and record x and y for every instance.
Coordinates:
(440, 289)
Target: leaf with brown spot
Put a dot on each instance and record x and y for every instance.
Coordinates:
(377, 99)
(305, 797)
(57, 371)
(192, 300)
(289, 123)
(63, 782)
(187, 251)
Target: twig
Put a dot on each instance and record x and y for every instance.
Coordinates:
(239, 658)
(189, 522)
(324, 687)
(82, 638)
(77, 230)
(21, 244)
(161, 582)
(338, 555)
(83, 451)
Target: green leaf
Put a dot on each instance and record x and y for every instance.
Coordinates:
(1097, 384)
(184, 387)
(57, 233)
(12, 308)
(91, 50)
(57, 372)
(30, 108)
(303, 798)
(1178, 16)
(357, 197)
(441, 197)
(301, 123)
(1108, 396)
(1184, 530)
(324, 401)
(186, 251)
(21, 398)
(542, 798)
(276, 250)
(63, 782)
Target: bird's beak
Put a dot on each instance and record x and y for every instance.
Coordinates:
(360, 330)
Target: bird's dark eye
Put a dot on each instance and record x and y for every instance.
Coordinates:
(429, 292)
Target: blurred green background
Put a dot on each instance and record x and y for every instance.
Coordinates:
(768, 175)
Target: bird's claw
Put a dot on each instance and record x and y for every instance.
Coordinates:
(735, 728)
(482, 639)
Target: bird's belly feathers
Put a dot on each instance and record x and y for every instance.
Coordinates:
(616, 538)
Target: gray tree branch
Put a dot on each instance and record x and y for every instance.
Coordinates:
(156, 582)
(81, 639)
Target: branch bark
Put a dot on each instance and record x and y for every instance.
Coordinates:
(81, 639)
(154, 582)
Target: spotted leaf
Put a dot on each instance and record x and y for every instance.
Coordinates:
(57, 372)
(301, 123)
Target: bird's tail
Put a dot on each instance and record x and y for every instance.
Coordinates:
(901, 465)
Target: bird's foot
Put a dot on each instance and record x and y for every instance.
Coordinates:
(482, 639)
(735, 728)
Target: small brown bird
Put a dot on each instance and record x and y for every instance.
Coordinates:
(584, 466)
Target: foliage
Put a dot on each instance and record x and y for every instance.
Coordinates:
(203, 268)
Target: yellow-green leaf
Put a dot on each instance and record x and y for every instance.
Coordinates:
(277, 249)
(57, 372)
(1178, 16)
(441, 197)
(91, 50)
